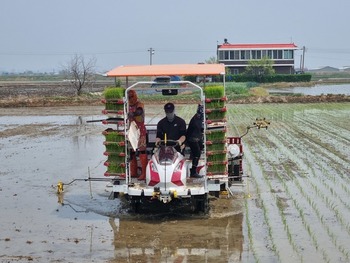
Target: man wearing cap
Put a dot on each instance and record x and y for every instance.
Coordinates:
(173, 126)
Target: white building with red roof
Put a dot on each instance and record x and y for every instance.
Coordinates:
(236, 56)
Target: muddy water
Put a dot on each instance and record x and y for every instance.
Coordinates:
(39, 148)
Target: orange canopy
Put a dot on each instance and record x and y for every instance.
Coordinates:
(168, 70)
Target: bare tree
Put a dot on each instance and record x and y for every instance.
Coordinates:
(211, 60)
(80, 73)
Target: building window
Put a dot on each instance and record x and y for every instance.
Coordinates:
(242, 54)
(226, 55)
(235, 71)
(236, 57)
(269, 54)
(253, 54)
(279, 54)
(287, 54)
(258, 54)
(221, 55)
(274, 54)
(263, 53)
(247, 54)
(232, 55)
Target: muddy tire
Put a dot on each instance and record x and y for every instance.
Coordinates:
(135, 205)
(201, 204)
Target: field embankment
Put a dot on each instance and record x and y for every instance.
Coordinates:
(47, 94)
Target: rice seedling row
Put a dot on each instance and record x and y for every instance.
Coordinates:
(309, 173)
(309, 227)
(320, 162)
(317, 180)
(289, 187)
(286, 247)
(259, 232)
(320, 171)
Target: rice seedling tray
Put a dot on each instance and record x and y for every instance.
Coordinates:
(114, 146)
(115, 174)
(217, 158)
(114, 112)
(115, 167)
(218, 135)
(114, 135)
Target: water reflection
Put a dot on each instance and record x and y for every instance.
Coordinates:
(178, 240)
(315, 90)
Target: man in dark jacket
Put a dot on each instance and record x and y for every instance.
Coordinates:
(194, 137)
(173, 126)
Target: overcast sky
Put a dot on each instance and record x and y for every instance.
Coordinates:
(43, 35)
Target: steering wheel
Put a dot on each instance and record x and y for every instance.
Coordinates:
(167, 143)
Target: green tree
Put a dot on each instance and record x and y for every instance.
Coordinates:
(259, 68)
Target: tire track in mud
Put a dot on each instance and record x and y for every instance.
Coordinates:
(301, 186)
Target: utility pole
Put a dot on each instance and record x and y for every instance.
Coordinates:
(303, 60)
(151, 53)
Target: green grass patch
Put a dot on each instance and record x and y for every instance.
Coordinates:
(258, 91)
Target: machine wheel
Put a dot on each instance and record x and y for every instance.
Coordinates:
(202, 204)
(135, 205)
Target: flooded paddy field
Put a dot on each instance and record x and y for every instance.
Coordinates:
(293, 207)
(299, 185)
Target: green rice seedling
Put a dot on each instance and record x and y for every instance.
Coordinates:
(216, 135)
(111, 93)
(214, 94)
(113, 97)
(216, 147)
(214, 91)
(216, 114)
(215, 104)
(114, 136)
(112, 106)
(113, 147)
(217, 157)
(116, 158)
(115, 168)
(216, 168)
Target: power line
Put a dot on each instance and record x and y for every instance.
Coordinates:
(57, 53)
